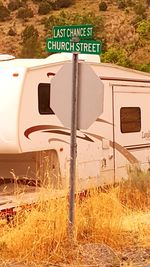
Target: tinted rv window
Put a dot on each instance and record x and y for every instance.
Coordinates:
(130, 119)
(44, 99)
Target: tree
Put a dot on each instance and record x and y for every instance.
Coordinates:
(58, 4)
(144, 29)
(44, 8)
(140, 10)
(148, 2)
(29, 32)
(15, 4)
(121, 4)
(4, 13)
(24, 12)
(117, 56)
(102, 6)
(31, 48)
(31, 45)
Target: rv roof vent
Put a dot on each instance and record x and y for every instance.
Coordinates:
(4, 57)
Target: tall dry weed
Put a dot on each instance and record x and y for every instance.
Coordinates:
(135, 192)
(40, 234)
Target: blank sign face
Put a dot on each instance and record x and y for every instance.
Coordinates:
(90, 95)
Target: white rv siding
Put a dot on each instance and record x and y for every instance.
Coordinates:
(102, 134)
(39, 125)
(11, 83)
(103, 151)
(29, 115)
(136, 96)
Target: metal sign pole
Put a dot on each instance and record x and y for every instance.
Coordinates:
(73, 145)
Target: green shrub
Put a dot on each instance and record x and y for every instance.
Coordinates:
(4, 13)
(15, 4)
(104, 44)
(116, 56)
(37, 1)
(31, 45)
(148, 2)
(29, 32)
(144, 29)
(44, 8)
(11, 32)
(129, 3)
(143, 67)
(66, 18)
(58, 4)
(102, 6)
(31, 48)
(121, 4)
(140, 10)
(127, 10)
(24, 12)
(136, 21)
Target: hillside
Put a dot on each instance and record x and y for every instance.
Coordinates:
(122, 25)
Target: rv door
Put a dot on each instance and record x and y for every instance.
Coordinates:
(131, 127)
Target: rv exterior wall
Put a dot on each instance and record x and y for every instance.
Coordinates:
(10, 94)
(105, 149)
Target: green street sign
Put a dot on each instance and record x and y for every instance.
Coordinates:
(83, 46)
(68, 32)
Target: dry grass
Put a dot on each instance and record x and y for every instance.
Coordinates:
(40, 235)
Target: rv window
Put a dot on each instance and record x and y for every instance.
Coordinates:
(130, 119)
(44, 99)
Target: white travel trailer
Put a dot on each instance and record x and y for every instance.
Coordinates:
(35, 146)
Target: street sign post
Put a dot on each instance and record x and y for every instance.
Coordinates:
(73, 144)
(75, 39)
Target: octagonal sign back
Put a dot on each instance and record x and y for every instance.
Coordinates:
(90, 95)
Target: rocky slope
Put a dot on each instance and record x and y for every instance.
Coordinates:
(122, 28)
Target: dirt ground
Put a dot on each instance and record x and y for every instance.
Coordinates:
(96, 255)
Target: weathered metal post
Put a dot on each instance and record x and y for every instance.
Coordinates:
(73, 145)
